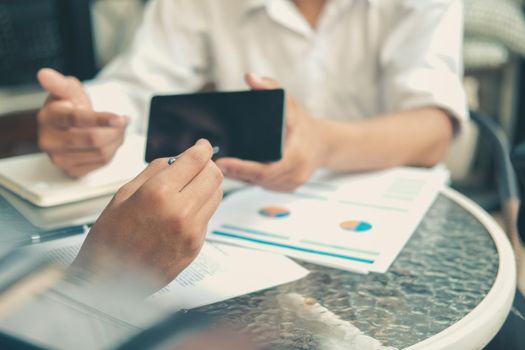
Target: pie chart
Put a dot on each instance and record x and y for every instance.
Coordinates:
(275, 212)
(355, 226)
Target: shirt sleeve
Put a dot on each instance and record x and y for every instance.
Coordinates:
(169, 55)
(421, 58)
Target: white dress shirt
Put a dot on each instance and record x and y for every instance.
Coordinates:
(364, 58)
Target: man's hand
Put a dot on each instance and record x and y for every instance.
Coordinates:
(77, 139)
(158, 221)
(304, 149)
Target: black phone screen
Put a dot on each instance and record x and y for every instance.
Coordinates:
(245, 124)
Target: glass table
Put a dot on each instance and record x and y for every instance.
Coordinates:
(451, 288)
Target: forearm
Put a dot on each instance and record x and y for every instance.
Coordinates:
(416, 138)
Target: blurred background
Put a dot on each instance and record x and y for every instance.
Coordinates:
(79, 37)
(35, 33)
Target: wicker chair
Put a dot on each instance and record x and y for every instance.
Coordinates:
(494, 46)
(494, 43)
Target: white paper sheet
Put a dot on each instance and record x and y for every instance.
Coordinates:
(223, 272)
(357, 223)
(219, 273)
(35, 178)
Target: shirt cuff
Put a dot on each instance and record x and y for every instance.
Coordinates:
(426, 88)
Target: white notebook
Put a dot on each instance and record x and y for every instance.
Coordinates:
(35, 178)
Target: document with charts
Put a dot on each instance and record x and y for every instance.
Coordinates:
(358, 223)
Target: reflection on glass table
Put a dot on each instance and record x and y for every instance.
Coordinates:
(451, 288)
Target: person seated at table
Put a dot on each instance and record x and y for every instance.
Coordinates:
(158, 221)
(370, 84)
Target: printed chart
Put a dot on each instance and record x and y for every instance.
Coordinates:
(357, 223)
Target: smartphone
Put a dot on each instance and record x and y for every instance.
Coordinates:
(243, 124)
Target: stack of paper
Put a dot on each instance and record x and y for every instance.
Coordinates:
(220, 272)
(35, 178)
(358, 223)
(58, 216)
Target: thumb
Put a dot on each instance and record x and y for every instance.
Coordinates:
(256, 82)
(63, 88)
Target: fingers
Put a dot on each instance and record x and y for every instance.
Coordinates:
(284, 176)
(256, 82)
(199, 219)
(160, 179)
(162, 183)
(67, 159)
(210, 207)
(131, 187)
(78, 171)
(247, 171)
(204, 214)
(199, 190)
(55, 83)
(79, 140)
(187, 166)
(78, 164)
(92, 139)
(63, 88)
(63, 115)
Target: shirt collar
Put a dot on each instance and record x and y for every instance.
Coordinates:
(251, 5)
(281, 11)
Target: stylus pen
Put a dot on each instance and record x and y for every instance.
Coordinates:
(57, 234)
(172, 160)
